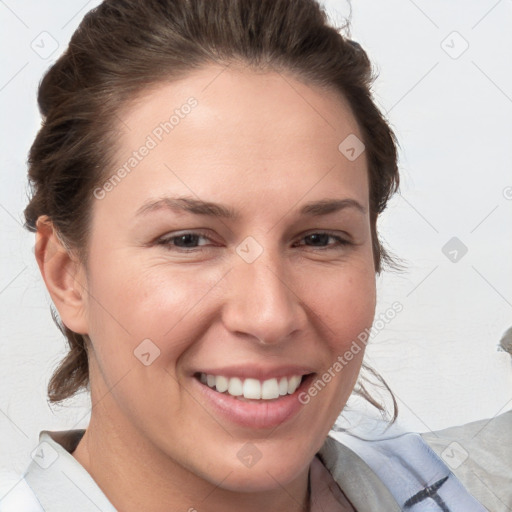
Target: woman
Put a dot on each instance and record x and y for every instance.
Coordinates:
(207, 184)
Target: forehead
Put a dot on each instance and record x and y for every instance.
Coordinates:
(232, 130)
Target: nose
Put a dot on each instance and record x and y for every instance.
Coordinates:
(262, 303)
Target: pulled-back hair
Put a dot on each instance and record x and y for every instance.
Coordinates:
(122, 47)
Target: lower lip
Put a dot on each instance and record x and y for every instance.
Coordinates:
(255, 414)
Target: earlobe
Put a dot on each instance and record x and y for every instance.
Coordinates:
(63, 275)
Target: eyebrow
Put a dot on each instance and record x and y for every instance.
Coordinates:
(190, 205)
(199, 207)
(326, 206)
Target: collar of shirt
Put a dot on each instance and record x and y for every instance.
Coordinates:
(325, 492)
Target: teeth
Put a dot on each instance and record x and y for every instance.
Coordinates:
(235, 387)
(253, 389)
(293, 384)
(221, 383)
(270, 389)
(283, 386)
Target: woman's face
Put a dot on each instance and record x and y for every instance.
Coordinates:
(216, 253)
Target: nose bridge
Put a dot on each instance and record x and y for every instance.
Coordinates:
(261, 302)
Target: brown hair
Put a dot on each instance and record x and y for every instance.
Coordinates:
(124, 46)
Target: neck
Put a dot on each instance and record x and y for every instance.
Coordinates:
(135, 475)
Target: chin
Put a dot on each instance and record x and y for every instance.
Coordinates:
(273, 469)
(264, 479)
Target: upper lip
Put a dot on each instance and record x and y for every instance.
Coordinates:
(257, 372)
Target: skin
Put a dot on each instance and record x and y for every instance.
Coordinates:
(263, 144)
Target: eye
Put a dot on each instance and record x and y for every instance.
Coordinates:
(184, 241)
(321, 239)
(189, 241)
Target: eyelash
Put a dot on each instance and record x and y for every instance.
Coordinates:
(166, 241)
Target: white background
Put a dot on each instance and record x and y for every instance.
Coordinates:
(453, 119)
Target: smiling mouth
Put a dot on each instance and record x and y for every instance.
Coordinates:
(249, 389)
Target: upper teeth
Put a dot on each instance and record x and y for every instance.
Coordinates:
(252, 388)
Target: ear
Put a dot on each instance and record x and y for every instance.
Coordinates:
(63, 275)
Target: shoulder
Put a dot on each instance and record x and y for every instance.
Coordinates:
(16, 495)
(480, 456)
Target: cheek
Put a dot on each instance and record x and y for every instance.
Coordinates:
(132, 303)
(345, 303)
(142, 319)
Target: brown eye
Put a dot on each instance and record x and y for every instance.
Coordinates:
(321, 240)
(184, 241)
(188, 240)
(318, 239)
